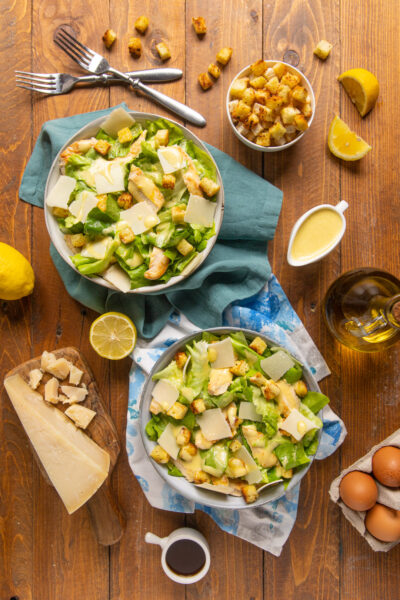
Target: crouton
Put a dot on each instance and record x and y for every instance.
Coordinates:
(235, 446)
(214, 70)
(236, 468)
(168, 181)
(109, 38)
(125, 135)
(163, 51)
(141, 24)
(279, 69)
(238, 87)
(300, 122)
(78, 240)
(209, 187)
(180, 359)
(258, 67)
(290, 79)
(323, 49)
(258, 82)
(184, 247)
(178, 214)
(201, 477)
(249, 96)
(288, 113)
(252, 121)
(102, 202)
(307, 110)
(224, 55)
(272, 85)
(177, 411)
(199, 25)
(160, 455)
(277, 131)
(162, 137)
(205, 81)
(261, 96)
(258, 379)
(125, 200)
(284, 92)
(270, 390)
(242, 110)
(263, 139)
(201, 442)
(198, 406)
(61, 213)
(249, 493)
(269, 73)
(187, 452)
(300, 388)
(102, 147)
(299, 93)
(274, 102)
(183, 436)
(126, 235)
(135, 47)
(258, 345)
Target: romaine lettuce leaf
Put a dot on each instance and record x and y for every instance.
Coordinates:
(90, 266)
(171, 373)
(199, 368)
(173, 470)
(315, 401)
(268, 410)
(155, 427)
(291, 455)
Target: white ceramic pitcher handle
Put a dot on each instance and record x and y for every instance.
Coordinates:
(342, 206)
(150, 538)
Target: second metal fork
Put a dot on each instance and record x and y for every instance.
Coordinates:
(95, 63)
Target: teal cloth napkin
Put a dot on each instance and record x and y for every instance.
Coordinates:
(236, 268)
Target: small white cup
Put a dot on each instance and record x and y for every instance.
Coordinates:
(183, 533)
(339, 209)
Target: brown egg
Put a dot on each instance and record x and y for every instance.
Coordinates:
(386, 466)
(358, 490)
(383, 523)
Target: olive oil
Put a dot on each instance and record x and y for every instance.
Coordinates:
(362, 309)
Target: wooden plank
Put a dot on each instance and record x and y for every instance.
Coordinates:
(308, 566)
(228, 24)
(15, 228)
(369, 397)
(78, 565)
(135, 569)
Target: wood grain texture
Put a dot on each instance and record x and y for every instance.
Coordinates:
(44, 553)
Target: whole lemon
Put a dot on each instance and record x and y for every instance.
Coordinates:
(16, 274)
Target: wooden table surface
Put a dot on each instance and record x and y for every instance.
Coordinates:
(46, 554)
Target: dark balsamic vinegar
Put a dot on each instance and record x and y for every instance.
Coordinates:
(185, 557)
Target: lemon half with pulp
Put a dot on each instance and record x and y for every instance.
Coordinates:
(113, 335)
(344, 143)
(363, 88)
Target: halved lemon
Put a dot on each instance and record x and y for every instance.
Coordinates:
(344, 143)
(113, 335)
(362, 87)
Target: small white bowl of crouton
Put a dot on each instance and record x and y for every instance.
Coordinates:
(270, 105)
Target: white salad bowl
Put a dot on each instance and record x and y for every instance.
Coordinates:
(271, 491)
(57, 237)
(304, 82)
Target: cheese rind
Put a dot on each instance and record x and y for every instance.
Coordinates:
(74, 463)
(213, 425)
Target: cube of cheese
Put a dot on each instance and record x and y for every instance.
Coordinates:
(46, 359)
(51, 391)
(35, 377)
(323, 49)
(81, 415)
(75, 375)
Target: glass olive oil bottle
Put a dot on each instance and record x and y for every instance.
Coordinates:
(362, 309)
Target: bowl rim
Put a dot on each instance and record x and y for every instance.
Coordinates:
(251, 144)
(181, 485)
(56, 235)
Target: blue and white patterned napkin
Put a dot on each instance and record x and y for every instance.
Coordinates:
(269, 312)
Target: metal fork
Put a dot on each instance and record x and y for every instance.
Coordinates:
(95, 63)
(61, 83)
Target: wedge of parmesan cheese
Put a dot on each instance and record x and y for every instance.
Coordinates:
(200, 211)
(247, 412)
(74, 463)
(167, 441)
(59, 194)
(225, 354)
(116, 120)
(75, 375)
(51, 391)
(254, 475)
(165, 394)
(277, 364)
(297, 424)
(35, 377)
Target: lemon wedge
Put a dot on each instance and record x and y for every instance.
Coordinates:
(113, 335)
(362, 87)
(344, 143)
(16, 274)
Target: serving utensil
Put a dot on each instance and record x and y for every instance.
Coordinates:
(62, 83)
(95, 63)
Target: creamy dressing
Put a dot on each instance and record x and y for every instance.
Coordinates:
(316, 234)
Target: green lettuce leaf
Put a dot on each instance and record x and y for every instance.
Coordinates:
(268, 410)
(315, 401)
(293, 374)
(155, 427)
(90, 266)
(291, 455)
(171, 373)
(199, 368)
(173, 470)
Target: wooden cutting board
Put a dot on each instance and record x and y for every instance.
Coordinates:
(106, 517)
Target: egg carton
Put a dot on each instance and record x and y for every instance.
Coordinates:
(388, 496)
